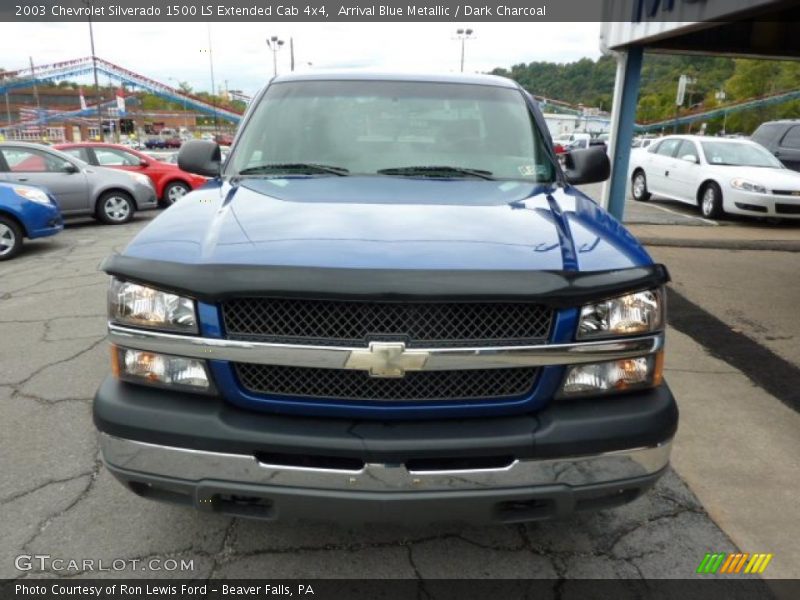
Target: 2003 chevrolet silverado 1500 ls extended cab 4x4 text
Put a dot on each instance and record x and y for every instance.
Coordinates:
(389, 303)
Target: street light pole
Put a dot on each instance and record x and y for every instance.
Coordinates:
(463, 35)
(89, 4)
(274, 44)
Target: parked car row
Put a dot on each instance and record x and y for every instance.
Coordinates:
(579, 141)
(162, 143)
(169, 181)
(40, 185)
(718, 175)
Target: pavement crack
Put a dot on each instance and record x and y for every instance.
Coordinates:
(226, 551)
(609, 548)
(19, 394)
(41, 369)
(62, 289)
(422, 592)
(42, 525)
(18, 495)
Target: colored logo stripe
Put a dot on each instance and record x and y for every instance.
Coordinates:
(720, 562)
(711, 563)
(758, 563)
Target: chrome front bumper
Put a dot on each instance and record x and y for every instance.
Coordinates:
(196, 466)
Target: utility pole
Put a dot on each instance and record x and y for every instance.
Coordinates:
(721, 97)
(36, 96)
(679, 100)
(291, 53)
(213, 87)
(683, 82)
(8, 110)
(89, 4)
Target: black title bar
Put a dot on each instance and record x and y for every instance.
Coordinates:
(631, 11)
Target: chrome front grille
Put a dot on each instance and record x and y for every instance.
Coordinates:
(417, 324)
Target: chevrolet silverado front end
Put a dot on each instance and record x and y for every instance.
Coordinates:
(391, 303)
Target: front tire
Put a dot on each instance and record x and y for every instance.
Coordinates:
(10, 238)
(174, 192)
(115, 208)
(711, 201)
(639, 187)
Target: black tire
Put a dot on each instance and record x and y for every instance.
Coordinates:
(10, 238)
(173, 192)
(115, 207)
(711, 201)
(639, 187)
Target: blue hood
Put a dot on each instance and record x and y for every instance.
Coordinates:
(389, 222)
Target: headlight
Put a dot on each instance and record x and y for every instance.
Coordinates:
(614, 376)
(142, 306)
(162, 370)
(143, 179)
(637, 313)
(33, 194)
(748, 186)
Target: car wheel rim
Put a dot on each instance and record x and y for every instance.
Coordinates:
(708, 201)
(176, 192)
(638, 186)
(117, 208)
(7, 239)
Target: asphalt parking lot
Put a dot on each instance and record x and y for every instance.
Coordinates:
(57, 498)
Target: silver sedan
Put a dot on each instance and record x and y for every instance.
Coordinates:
(79, 188)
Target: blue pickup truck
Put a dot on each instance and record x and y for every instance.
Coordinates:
(391, 302)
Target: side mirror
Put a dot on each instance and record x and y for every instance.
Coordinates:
(200, 157)
(587, 166)
(69, 168)
(690, 158)
(144, 163)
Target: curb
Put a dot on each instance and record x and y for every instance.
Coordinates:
(758, 245)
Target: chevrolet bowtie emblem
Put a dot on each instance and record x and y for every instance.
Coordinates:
(387, 359)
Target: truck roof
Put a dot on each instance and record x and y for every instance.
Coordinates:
(359, 75)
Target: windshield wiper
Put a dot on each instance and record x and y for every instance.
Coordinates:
(434, 170)
(309, 168)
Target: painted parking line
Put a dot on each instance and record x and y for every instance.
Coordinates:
(684, 215)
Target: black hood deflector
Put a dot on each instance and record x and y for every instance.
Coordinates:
(212, 283)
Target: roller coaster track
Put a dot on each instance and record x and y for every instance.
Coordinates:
(46, 74)
(719, 111)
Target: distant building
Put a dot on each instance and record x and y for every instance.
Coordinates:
(55, 114)
(561, 124)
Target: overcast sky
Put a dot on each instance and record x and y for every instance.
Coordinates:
(164, 50)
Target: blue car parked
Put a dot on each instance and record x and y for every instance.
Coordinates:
(25, 212)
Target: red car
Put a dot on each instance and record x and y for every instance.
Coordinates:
(170, 182)
(224, 139)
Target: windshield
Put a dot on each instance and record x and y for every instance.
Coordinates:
(738, 154)
(392, 128)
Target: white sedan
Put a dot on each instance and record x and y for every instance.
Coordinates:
(718, 175)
